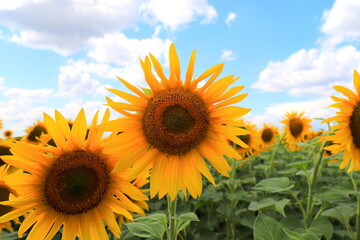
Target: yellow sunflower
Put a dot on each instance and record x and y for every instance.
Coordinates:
(73, 185)
(6, 192)
(8, 133)
(296, 126)
(345, 135)
(268, 135)
(1, 124)
(178, 123)
(4, 150)
(252, 140)
(34, 132)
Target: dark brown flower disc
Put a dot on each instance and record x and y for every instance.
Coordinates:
(355, 125)
(76, 182)
(36, 133)
(296, 127)
(267, 135)
(175, 121)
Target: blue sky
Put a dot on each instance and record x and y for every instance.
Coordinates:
(62, 54)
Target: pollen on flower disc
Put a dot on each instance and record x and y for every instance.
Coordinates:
(175, 121)
(76, 182)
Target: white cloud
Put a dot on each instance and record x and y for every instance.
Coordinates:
(27, 96)
(230, 18)
(174, 14)
(228, 55)
(310, 72)
(313, 109)
(65, 26)
(117, 48)
(341, 22)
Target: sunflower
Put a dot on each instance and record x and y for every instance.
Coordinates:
(73, 185)
(268, 135)
(296, 126)
(252, 140)
(34, 132)
(6, 192)
(345, 135)
(4, 150)
(176, 124)
(8, 134)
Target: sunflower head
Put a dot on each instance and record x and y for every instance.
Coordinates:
(252, 140)
(268, 135)
(176, 123)
(296, 126)
(345, 135)
(34, 132)
(72, 184)
(8, 134)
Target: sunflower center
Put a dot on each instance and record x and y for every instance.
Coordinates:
(296, 127)
(4, 196)
(36, 132)
(175, 121)
(4, 151)
(355, 125)
(267, 135)
(76, 182)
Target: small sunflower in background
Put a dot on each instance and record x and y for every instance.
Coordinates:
(72, 185)
(1, 124)
(268, 135)
(346, 134)
(6, 192)
(296, 126)
(176, 124)
(8, 134)
(34, 132)
(252, 140)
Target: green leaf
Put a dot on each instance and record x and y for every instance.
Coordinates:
(267, 228)
(184, 220)
(321, 227)
(153, 218)
(342, 213)
(271, 204)
(299, 164)
(299, 236)
(332, 194)
(274, 185)
(147, 230)
(147, 91)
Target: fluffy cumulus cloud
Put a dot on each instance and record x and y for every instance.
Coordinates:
(312, 109)
(230, 18)
(228, 55)
(174, 14)
(69, 23)
(310, 72)
(341, 22)
(2, 83)
(121, 50)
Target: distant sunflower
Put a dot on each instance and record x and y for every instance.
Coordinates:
(252, 140)
(8, 133)
(73, 185)
(34, 132)
(1, 124)
(346, 134)
(5, 193)
(176, 124)
(268, 135)
(296, 126)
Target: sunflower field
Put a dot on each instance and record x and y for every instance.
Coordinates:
(182, 163)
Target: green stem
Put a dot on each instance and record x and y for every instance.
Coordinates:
(171, 234)
(298, 202)
(268, 173)
(311, 184)
(358, 207)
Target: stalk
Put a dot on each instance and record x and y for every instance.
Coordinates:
(358, 208)
(171, 233)
(268, 173)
